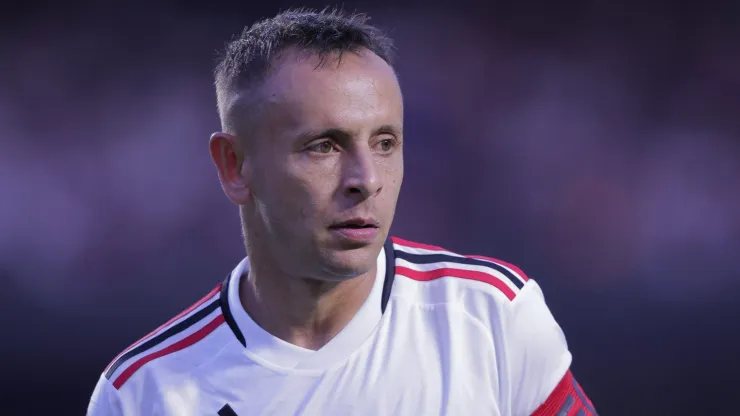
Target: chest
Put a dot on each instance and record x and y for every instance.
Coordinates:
(404, 369)
(403, 385)
(401, 378)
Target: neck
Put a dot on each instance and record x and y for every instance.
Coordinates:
(304, 312)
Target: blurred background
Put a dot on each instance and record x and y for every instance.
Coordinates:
(593, 143)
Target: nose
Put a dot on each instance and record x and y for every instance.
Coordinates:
(362, 178)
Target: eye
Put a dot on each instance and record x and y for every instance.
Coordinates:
(322, 147)
(387, 145)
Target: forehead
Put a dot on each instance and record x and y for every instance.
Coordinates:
(353, 93)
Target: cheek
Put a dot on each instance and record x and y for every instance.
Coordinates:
(310, 191)
(317, 192)
(393, 170)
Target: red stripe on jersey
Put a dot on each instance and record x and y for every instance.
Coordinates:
(411, 244)
(177, 346)
(513, 267)
(460, 273)
(192, 307)
(566, 399)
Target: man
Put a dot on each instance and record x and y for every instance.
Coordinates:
(328, 315)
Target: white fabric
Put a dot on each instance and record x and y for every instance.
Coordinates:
(447, 346)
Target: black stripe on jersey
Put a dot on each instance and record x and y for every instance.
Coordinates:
(226, 310)
(390, 273)
(445, 258)
(170, 332)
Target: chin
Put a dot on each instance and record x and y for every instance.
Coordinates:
(349, 264)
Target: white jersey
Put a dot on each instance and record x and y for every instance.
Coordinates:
(439, 334)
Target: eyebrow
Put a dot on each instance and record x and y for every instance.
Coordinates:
(389, 129)
(345, 135)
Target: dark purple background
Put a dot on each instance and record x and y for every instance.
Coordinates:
(595, 144)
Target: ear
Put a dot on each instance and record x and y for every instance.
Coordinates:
(233, 172)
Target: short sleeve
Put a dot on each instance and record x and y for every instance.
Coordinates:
(104, 400)
(537, 352)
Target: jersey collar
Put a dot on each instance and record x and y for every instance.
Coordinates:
(271, 351)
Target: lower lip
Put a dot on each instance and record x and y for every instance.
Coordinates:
(361, 235)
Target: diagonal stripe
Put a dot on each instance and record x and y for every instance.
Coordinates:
(418, 248)
(463, 274)
(179, 345)
(402, 242)
(512, 267)
(445, 258)
(460, 266)
(170, 332)
(192, 307)
(565, 408)
(581, 395)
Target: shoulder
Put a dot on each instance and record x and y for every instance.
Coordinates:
(495, 293)
(421, 262)
(529, 345)
(184, 337)
(509, 309)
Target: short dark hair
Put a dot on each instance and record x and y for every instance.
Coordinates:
(247, 59)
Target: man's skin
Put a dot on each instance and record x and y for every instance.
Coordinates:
(321, 146)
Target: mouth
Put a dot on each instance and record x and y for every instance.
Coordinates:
(357, 223)
(358, 231)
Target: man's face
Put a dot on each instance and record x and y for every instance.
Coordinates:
(326, 164)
